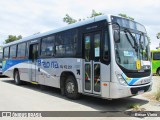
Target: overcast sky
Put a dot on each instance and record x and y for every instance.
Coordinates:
(27, 17)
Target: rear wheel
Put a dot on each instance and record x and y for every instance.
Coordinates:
(158, 71)
(71, 88)
(17, 78)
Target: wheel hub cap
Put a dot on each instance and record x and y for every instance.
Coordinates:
(70, 87)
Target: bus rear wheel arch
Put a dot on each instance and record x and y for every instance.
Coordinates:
(69, 86)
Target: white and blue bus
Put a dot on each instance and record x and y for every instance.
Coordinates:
(105, 56)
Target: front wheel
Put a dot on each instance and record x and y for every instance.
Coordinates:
(71, 88)
(17, 78)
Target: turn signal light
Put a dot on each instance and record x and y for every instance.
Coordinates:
(104, 84)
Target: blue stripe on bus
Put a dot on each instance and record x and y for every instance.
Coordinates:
(9, 63)
(130, 81)
(133, 80)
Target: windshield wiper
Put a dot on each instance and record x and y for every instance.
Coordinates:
(135, 46)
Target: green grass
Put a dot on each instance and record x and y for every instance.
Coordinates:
(136, 107)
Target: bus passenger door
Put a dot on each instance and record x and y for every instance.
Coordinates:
(33, 55)
(92, 69)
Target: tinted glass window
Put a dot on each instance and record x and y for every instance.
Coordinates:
(6, 52)
(47, 46)
(156, 56)
(97, 47)
(13, 51)
(27, 49)
(87, 48)
(21, 50)
(66, 42)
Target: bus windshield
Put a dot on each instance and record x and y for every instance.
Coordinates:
(132, 47)
(133, 44)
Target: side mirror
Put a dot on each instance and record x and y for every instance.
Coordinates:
(116, 33)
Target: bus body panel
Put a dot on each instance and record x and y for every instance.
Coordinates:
(22, 65)
(51, 69)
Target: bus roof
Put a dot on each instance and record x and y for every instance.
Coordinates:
(74, 25)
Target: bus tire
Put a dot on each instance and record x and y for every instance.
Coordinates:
(17, 78)
(71, 88)
(158, 71)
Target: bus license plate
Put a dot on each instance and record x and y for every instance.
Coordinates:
(141, 91)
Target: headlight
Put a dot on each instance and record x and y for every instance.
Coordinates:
(146, 67)
(121, 80)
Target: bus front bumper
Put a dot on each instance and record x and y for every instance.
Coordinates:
(121, 91)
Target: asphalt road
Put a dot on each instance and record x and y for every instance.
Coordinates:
(31, 97)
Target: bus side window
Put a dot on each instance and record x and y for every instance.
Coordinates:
(47, 46)
(156, 56)
(27, 49)
(6, 53)
(66, 43)
(13, 50)
(21, 51)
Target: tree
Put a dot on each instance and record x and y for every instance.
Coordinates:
(12, 38)
(94, 14)
(68, 19)
(125, 16)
